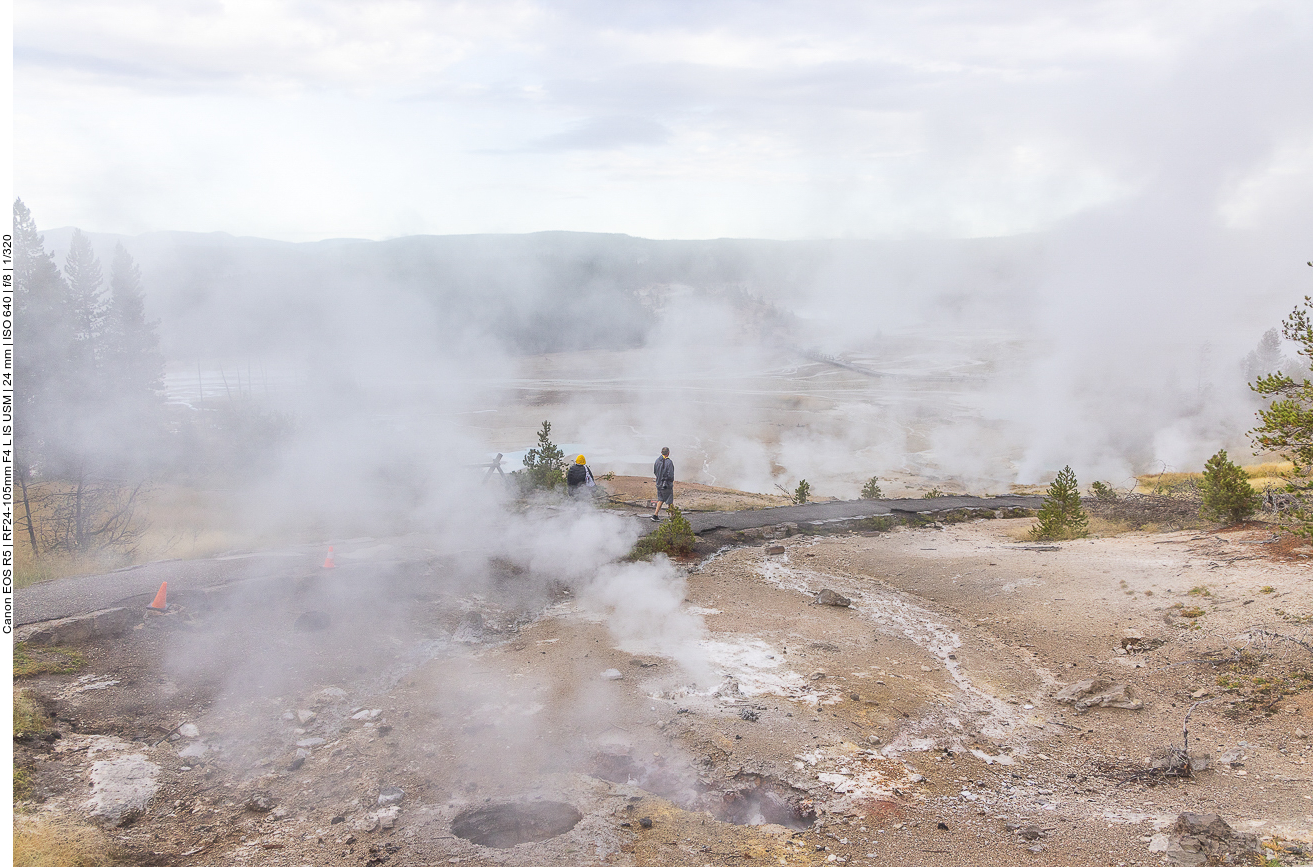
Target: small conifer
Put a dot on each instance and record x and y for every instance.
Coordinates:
(802, 492)
(871, 490)
(1228, 496)
(1061, 515)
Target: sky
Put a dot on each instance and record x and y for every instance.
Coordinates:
(952, 118)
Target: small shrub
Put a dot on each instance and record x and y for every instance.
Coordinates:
(933, 493)
(674, 538)
(1192, 612)
(878, 523)
(801, 493)
(1267, 589)
(1104, 492)
(1226, 491)
(871, 490)
(1061, 515)
(1199, 590)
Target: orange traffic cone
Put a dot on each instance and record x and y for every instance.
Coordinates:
(159, 604)
(328, 561)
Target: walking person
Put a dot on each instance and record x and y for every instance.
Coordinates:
(664, 470)
(579, 478)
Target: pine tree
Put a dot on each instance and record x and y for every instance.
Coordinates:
(545, 464)
(131, 354)
(1287, 422)
(45, 343)
(1226, 490)
(802, 492)
(871, 490)
(1061, 515)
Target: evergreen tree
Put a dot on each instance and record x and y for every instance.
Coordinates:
(86, 303)
(131, 355)
(1061, 515)
(871, 490)
(45, 343)
(1267, 357)
(802, 492)
(545, 464)
(1287, 422)
(1226, 490)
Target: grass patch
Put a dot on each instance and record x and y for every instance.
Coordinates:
(45, 841)
(29, 718)
(1268, 589)
(1199, 590)
(22, 784)
(31, 661)
(1192, 612)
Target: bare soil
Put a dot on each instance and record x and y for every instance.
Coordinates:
(917, 726)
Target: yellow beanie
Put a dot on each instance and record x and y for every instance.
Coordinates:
(579, 460)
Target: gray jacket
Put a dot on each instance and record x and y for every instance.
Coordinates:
(664, 470)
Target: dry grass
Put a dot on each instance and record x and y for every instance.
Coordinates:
(45, 841)
(1260, 477)
(29, 719)
(176, 522)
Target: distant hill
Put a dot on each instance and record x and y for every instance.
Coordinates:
(216, 294)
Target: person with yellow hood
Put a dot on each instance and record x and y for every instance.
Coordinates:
(579, 478)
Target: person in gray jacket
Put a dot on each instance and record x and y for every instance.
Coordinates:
(664, 470)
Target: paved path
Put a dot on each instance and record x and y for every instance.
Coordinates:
(67, 597)
(839, 510)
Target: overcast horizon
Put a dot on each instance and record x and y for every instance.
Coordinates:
(946, 119)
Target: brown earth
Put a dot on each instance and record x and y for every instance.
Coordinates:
(916, 726)
(639, 491)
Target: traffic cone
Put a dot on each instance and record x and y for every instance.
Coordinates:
(159, 604)
(328, 561)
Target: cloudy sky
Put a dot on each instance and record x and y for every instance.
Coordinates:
(307, 120)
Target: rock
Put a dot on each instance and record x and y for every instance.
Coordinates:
(1099, 692)
(189, 730)
(645, 823)
(312, 621)
(370, 713)
(122, 788)
(296, 763)
(305, 715)
(328, 695)
(1300, 733)
(749, 714)
(612, 674)
(387, 819)
(105, 623)
(1158, 843)
(260, 802)
(774, 549)
(817, 675)
(389, 795)
(470, 628)
(1208, 825)
(1200, 692)
(829, 597)
(1030, 832)
(193, 750)
(367, 823)
(311, 742)
(873, 739)
(1204, 838)
(1235, 757)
